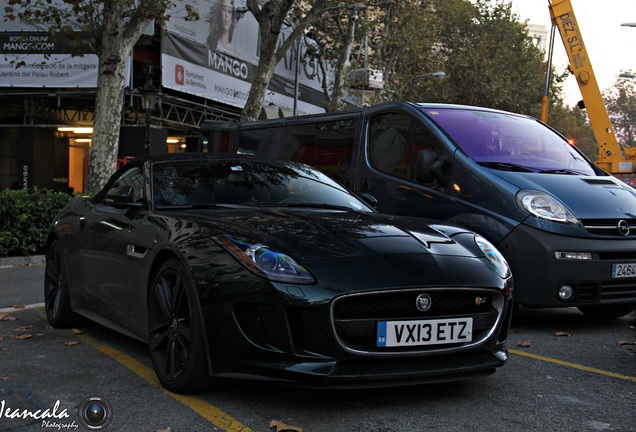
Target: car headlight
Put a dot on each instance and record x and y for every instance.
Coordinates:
(544, 206)
(495, 257)
(262, 260)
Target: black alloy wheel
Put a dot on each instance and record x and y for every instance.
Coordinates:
(177, 346)
(57, 301)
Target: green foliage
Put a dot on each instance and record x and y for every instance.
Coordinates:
(25, 216)
(574, 125)
(487, 56)
(620, 101)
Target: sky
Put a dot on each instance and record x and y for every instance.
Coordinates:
(610, 46)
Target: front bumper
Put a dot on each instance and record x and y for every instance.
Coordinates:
(538, 274)
(331, 344)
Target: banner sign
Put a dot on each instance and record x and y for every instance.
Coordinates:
(42, 63)
(52, 71)
(215, 58)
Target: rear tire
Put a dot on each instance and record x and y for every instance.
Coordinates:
(608, 311)
(177, 344)
(57, 299)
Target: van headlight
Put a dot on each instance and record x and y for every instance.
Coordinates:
(544, 206)
(495, 257)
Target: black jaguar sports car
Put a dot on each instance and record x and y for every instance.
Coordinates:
(232, 267)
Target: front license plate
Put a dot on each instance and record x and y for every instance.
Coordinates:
(624, 270)
(424, 332)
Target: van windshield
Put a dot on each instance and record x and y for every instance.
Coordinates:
(509, 142)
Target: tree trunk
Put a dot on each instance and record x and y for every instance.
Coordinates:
(343, 65)
(270, 18)
(114, 47)
(102, 159)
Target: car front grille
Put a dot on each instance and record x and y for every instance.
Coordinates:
(355, 316)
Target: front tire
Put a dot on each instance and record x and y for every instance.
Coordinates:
(177, 344)
(57, 299)
(608, 311)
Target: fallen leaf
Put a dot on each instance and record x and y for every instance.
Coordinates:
(18, 306)
(23, 328)
(166, 429)
(6, 317)
(39, 334)
(562, 333)
(524, 344)
(279, 426)
(70, 343)
(76, 331)
(623, 342)
(22, 336)
(1, 337)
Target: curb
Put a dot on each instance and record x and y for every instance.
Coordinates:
(22, 261)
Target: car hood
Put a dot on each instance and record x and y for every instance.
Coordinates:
(588, 197)
(311, 235)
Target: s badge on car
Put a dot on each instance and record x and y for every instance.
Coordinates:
(423, 302)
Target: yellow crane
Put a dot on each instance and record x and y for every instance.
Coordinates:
(611, 156)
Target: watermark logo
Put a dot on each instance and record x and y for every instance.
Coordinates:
(95, 413)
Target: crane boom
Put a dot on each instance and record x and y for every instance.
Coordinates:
(611, 157)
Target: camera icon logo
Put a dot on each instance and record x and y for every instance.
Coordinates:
(95, 413)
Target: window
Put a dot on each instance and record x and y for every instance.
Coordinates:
(395, 141)
(326, 145)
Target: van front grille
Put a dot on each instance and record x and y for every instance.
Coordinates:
(622, 228)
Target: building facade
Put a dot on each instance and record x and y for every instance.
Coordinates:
(47, 104)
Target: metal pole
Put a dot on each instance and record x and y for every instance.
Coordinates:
(545, 102)
(296, 77)
(147, 144)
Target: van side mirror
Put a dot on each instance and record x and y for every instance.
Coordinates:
(431, 168)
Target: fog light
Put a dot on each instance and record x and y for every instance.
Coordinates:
(574, 255)
(566, 292)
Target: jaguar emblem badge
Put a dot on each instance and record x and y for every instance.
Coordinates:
(423, 302)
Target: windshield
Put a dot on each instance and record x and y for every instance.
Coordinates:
(509, 142)
(247, 182)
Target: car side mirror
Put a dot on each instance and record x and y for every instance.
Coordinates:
(121, 197)
(431, 168)
(369, 199)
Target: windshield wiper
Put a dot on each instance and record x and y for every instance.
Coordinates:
(559, 171)
(323, 206)
(199, 206)
(505, 166)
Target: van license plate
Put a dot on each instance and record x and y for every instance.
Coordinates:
(424, 332)
(624, 270)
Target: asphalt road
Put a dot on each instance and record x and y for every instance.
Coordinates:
(565, 373)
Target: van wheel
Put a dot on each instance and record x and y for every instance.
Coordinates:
(608, 311)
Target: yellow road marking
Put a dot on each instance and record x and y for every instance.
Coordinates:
(227, 423)
(573, 365)
(214, 415)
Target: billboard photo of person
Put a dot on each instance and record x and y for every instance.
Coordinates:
(222, 21)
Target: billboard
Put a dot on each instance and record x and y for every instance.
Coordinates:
(43, 63)
(215, 58)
